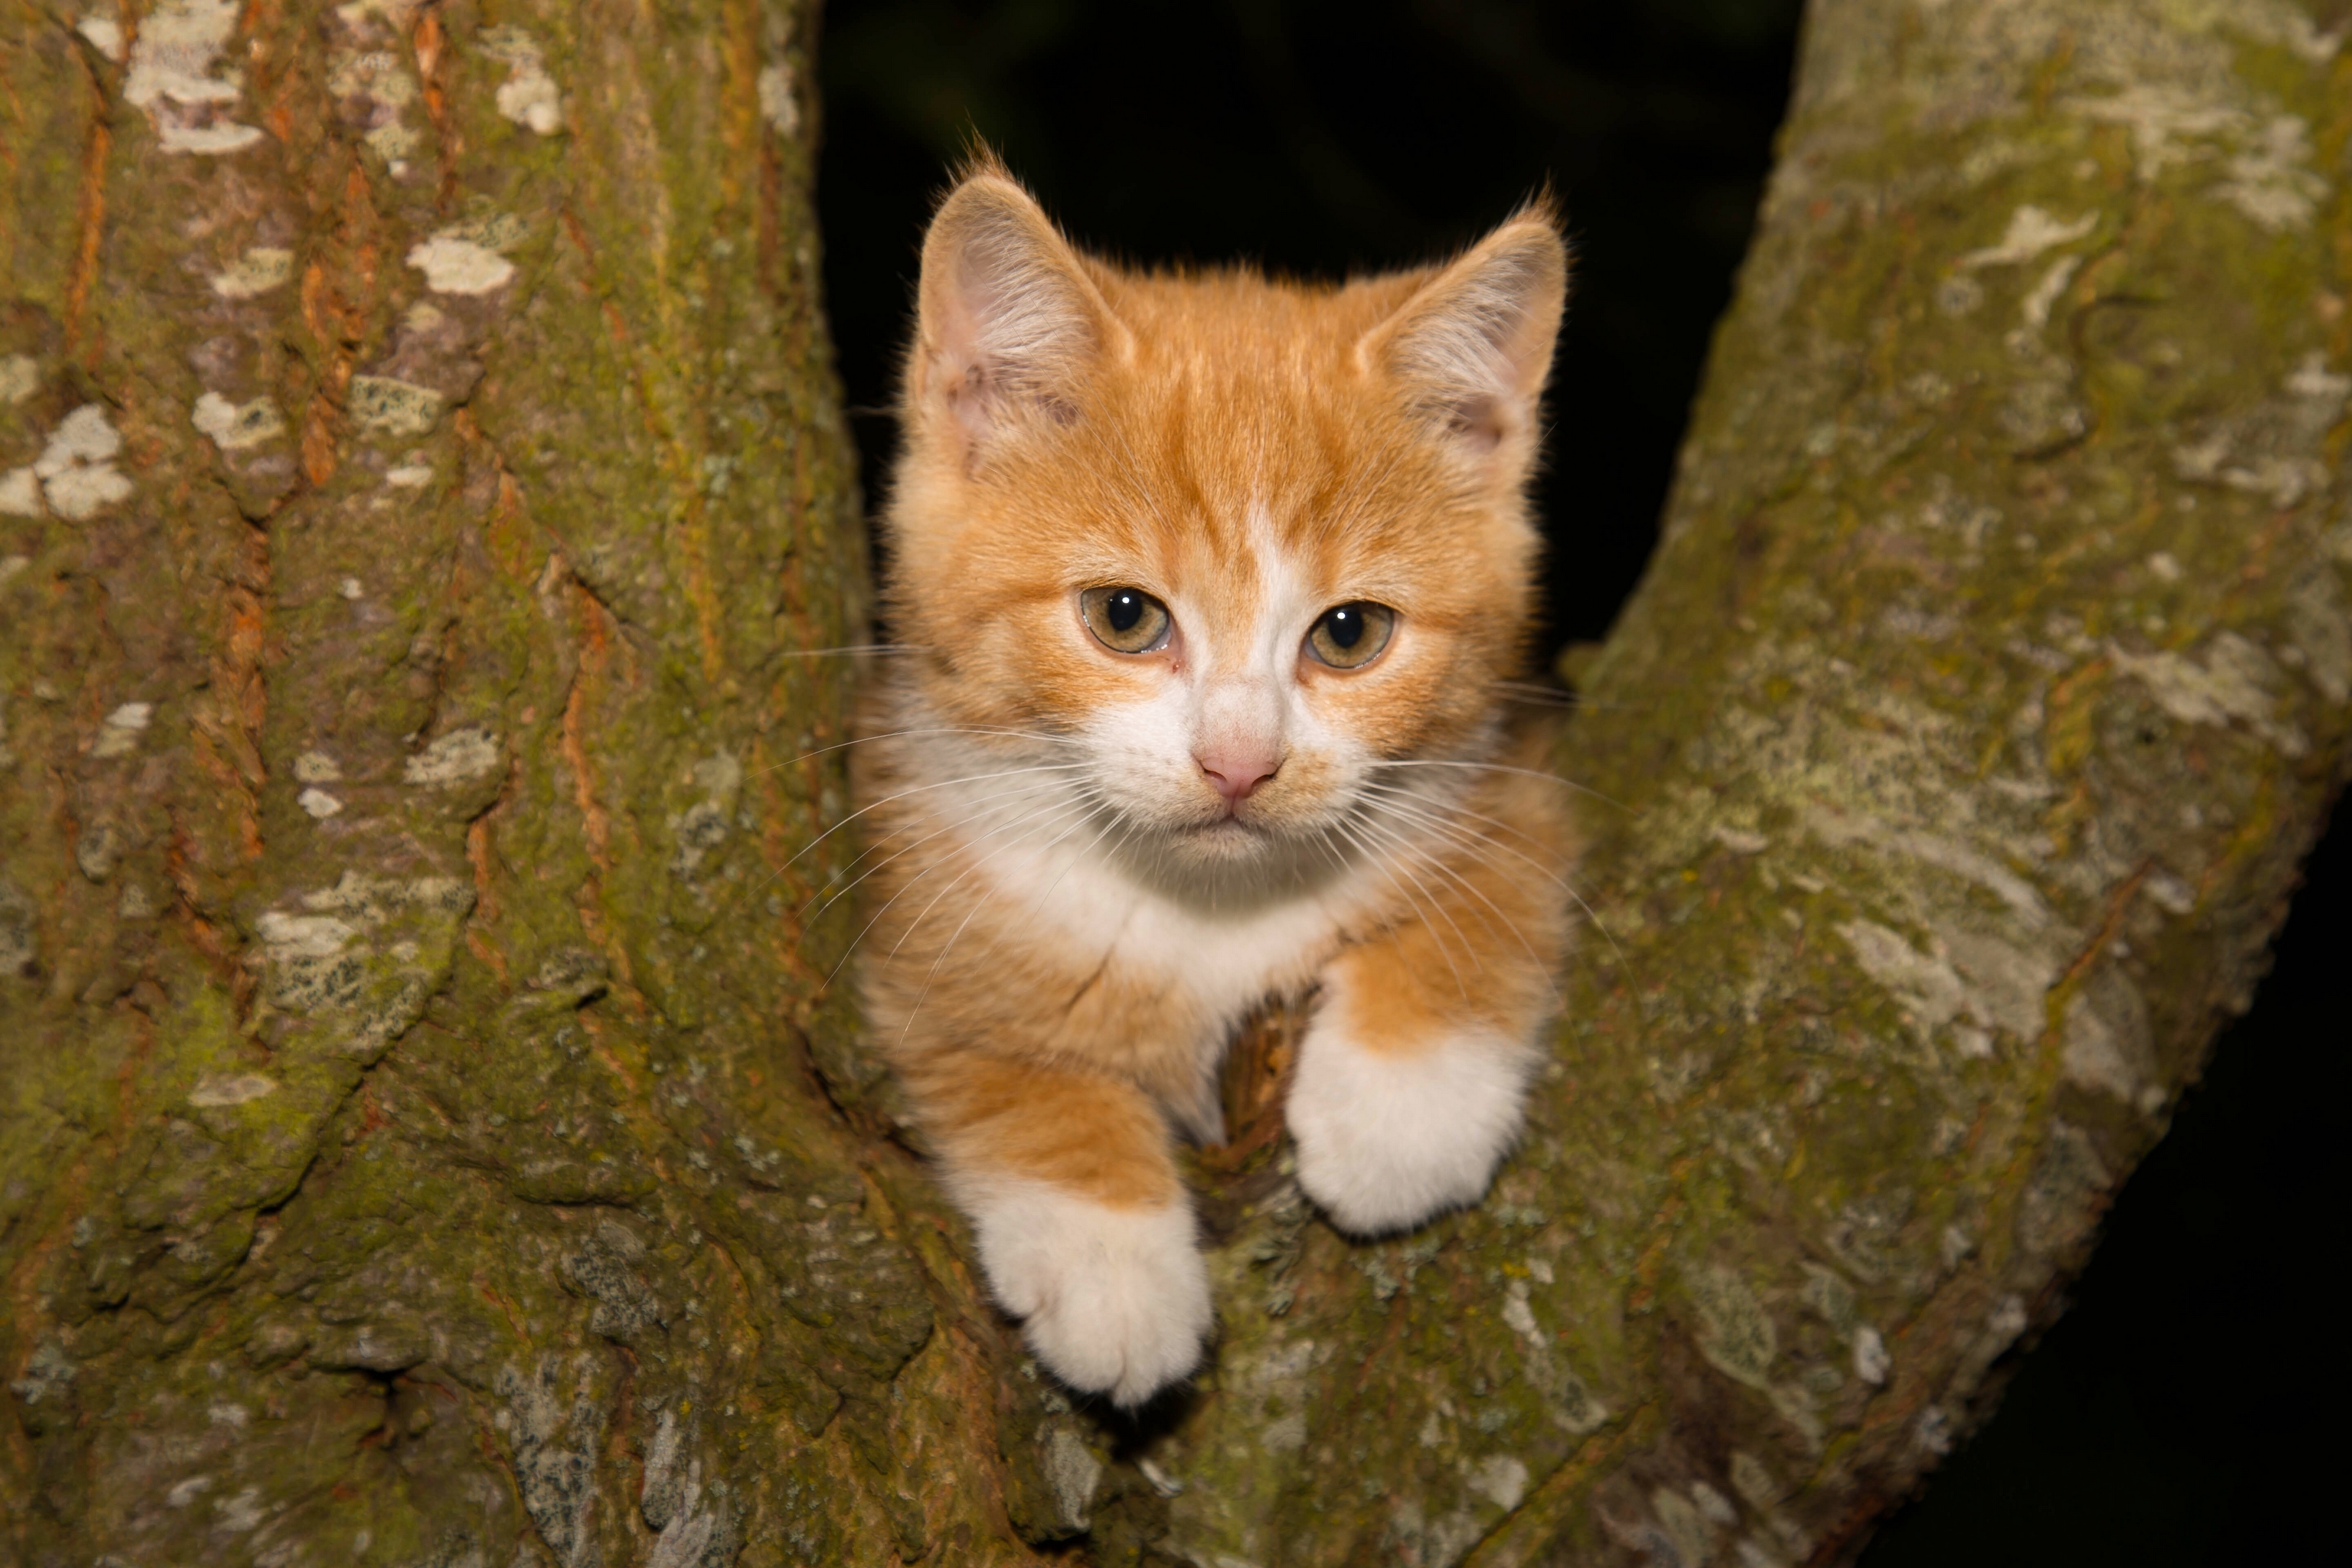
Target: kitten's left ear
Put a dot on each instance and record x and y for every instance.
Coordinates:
(1008, 323)
(1473, 347)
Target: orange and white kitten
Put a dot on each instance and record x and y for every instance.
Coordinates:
(1207, 584)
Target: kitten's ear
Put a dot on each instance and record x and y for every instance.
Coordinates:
(1472, 347)
(1008, 323)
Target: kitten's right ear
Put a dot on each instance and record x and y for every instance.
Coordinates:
(1473, 347)
(1007, 321)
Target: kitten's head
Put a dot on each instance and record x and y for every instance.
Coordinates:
(1235, 542)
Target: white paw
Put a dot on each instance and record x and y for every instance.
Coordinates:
(1115, 1301)
(1386, 1139)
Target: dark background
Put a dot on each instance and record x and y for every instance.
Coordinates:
(2190, 1408)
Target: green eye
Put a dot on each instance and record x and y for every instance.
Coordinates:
(1349, 636)
(1125, 620)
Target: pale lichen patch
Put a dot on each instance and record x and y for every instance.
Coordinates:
(2111, 1054)
(455, 265)
(1502, 1480)
(171, 78)
(103, 34)
(2233, 684)
(1074, 1473)
(98, 851)
(2162, 119)
(374, 88)
(2266, 159)
(361, 964)
(1735, 1333)
(261, 268)
(453, 759)
(703, 827)
(77, 469)
(394, 407)
(303, 936)
(1683, 1525)
(2312, 378)
(316, 767)
(529, 95)
(2035, 308)
(118, 735)
(20, 377)
(1871, 1362)
(778, 106)
(2270, 180)
(237, 1088)
(319, 803)
(20, 493)
(1928, 989)
(1284, 1434)
(1518, 1317)
(2285, 24)
(235, 426)
(2031, 232)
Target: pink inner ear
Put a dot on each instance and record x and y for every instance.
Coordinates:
(1010, 319)
(963, 384)
(1474, 346)
(1477, 423)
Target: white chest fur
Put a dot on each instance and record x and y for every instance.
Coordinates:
(1059, 878)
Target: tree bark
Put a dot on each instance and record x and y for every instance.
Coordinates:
(433, 1135)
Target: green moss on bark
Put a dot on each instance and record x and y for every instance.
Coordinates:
(417, 1150)
(430, 1133)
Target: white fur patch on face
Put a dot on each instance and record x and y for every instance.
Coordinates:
(1115, 1301)
(1387, 1140)
(1236, 695)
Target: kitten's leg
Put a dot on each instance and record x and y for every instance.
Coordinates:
(1084, 1227)
(1409, 1078)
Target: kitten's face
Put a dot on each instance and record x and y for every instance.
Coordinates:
(1212, 538)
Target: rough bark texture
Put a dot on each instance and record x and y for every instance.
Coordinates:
(429, 1138)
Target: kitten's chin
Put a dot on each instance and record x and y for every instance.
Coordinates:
(1225, 841)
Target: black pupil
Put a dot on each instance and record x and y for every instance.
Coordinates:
(1346, 627)
(1125, 609)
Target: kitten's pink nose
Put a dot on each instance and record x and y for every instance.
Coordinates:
(1236, 773)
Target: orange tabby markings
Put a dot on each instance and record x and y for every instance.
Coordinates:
(1096, 847)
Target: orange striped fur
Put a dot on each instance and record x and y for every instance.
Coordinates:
(1086, 865)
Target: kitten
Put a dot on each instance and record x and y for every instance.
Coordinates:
(1208, 582)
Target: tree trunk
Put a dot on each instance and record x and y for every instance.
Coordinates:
(431, 1136)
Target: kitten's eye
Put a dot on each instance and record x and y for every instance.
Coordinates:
(1125, 620)
(1349, 636)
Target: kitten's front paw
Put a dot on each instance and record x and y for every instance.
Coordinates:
(1388, 1139)
(1115, 1301)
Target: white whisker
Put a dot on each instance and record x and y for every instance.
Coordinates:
(926, 872)
(957, 934)
(1428, 815)
(901, 734)
(1503, 768)
(1380, 863)
(941, 783)
(854, 649)
(988, 803)
(1437, 864)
